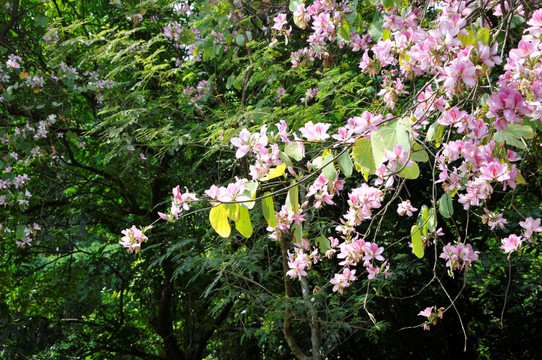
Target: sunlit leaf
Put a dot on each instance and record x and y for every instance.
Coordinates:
(243, 225)
(269, 210)
(219, 220)
(417, 243)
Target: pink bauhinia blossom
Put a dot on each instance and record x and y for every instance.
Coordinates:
(315, 132)
(511, 243)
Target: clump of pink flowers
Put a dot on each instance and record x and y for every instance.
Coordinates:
(459, 257)
(133, 238)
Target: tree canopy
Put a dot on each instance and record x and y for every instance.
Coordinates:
(270, 179)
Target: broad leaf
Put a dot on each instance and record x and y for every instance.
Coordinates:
(345, 164)
(219, 220)
(243, 225)
(329, 170)
(417, 243)
(411, 173)
(294, 150)
(445, 206)
(269, 210)
(363, 155)
(385, 138)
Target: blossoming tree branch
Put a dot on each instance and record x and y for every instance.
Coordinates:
(437, 100)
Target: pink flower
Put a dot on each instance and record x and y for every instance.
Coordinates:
(280, 21)
(406, 207)
(427, 312)
(315, 132)
(460, 70)
(530, 225)
(511, 243)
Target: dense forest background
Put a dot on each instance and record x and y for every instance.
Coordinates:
(106, 106)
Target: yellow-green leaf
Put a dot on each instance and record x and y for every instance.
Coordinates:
(269, 210)
(417, 243)
(232, 210)
(410, 173)
(243, 225)
(363, 155)
(276, 172)
(329, 170)
(297, 233)
(292, 200)
(483, 36)
(345, 164)
(219, 220)
(418, 153)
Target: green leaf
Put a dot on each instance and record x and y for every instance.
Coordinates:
(466, 39)
(513, 135)
(297, 232)
(445, 206)
(293, 4)
(323, 244)
(423, 217)
(385, 138)
(432, 220)
(375, 30)
(219, 220)
(243, 225)
(434, 133)
(418, 153)
(238, 83)
(285, 159)
(417, 243)
(386, 33)
(240, 39)
(483, 36)
(269, 210)
(294, 150)
(41, 20)
(292, 200)
(344, 30)
(187, 37)
(410, 173)
(232, 210)
(329, 170)
(363, 155)
(345, 164)
(230, 81)
(250, 192)
(388, 4)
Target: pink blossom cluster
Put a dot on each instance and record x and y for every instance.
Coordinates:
(325, 17)
(521, 83)
(361, 201)
(285, 218)
(357, 126)
(14, 61)
(301, 261)
(258, 145)
(354, 252)
(29, 233)
(459, 257)
(179, 202)
(132, 239)
(406, 208)
(233, 192)
(530, 226)
(323, 191)
(479, 168)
